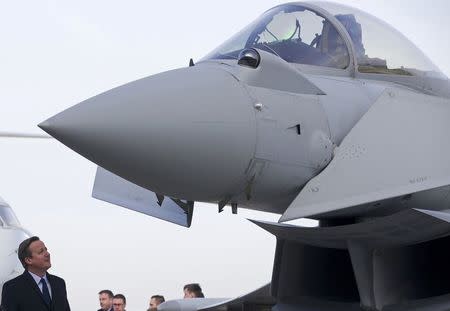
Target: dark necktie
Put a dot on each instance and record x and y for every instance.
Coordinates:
(45, 292)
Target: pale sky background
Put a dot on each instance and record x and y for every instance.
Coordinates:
(55, 54)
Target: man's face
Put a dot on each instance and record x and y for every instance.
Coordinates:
(118, 304)
(188, 294)
(40, 257)
(154, 303)
(105, 301)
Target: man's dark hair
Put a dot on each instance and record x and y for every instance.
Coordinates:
(120, 296)
(160, 298)
(107, 292)
(194, 288)
(24, 250)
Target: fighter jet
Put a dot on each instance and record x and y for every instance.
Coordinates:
(315, 110)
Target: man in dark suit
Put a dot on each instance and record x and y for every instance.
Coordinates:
(105, 298)
(35, 289)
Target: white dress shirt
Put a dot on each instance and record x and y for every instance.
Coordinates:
(37, 279)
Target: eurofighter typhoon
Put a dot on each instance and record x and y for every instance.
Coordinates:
(315, 110)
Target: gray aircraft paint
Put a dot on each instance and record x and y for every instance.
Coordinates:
(192, 304)
(259, 297)
(376, 144)
(274, 73)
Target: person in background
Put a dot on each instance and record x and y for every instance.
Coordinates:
(193, 290)
(105, 298)
(155, 301)
(119, 302)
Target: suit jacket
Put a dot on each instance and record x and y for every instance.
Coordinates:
(23, 294)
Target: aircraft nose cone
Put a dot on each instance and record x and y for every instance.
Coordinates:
(46, 125)
(184, 133)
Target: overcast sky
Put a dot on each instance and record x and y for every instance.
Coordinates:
(55, 54)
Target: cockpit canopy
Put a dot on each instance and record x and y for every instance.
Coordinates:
(7, 216)
(379, 48)
(292, 32)
(306, 33)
